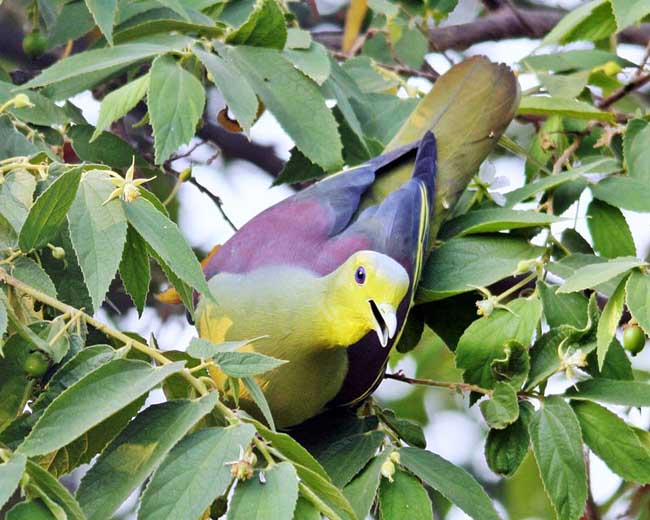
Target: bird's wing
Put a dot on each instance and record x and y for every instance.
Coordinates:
(295, 230)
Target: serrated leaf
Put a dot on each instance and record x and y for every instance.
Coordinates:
(506, 449)
(246, 364)
(11, 472)
(608, 322)
(453, 482)
(175, 100)
(108, 149)
(236, 91)
(502, 409)
(16, 194)
(118, 103)
(345, 458)
(407, 430)
(196, 472)
(275, 497)
(464, 263)
(200, 348)
(557, 444)
(135, 270)
(48, 212)
(32, 510)
(108, 59)
(574, 60)
(542, 105)
(43, 112)
(614, 441)
(136, 452)
(47, 487)
(363, 488)
(405, 497)
(314, 61)
(612, 391)
(259, 399)
(327, 491)
(638, 298)
(629, 12)
(98, 233)
(265, 27)
(485, 339)
(166, 240)
(609, 230)
(590, 276)
(14, 383)
(12, 142)
(283, 90)
(104, 13)
(28, 271)
(591, 21)
(493, 220)
(83, 405)
(636, 147)
(624, 192)
(563, 309)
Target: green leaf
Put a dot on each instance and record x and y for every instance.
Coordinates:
(404, 498)
(544, 106)
(135, 270)
(612, 391)
(14, 383)
(16, 194)
(407, 430)
(636, 147)
(506, 449)
(314, 62)
(502, 409)
(265, 27)
(462, 264)
(623, 192)
(305, 510)
(362, 490)
(591, 21)
(10, 474)
(294, 100)
(326, 491)
(104, 12)
(201, 348)
(298, 169)
(571, 264)
(493, 220)
(176, 100)
(73, 22)
(44, 112)
(345, 458)
(274, 497)
(48, 212)
(136, 452)
(485, 339)
(84, 404)
(118, 103)
(590, 276)
(107, 60)
(608, 322)
(98, 233)
(638, 298)
(12, 142)
(629, 12)
(609, 230)
(195, 473)
(615, 442)
(32, 510)
(563, 309)
(451, 481)
(3, 321)
(107, 149)
(245, 364)
(574, 60)
(564, 86)
(557, 444)
(166, 240)
(43, 484)
(28, 271)
(257, 395)
(235, 90)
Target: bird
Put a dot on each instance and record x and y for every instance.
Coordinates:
(325, 282)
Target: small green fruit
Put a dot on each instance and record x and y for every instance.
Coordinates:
(34, 44)
(633, 339)
(36, 364)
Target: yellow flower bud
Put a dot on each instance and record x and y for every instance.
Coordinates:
(388, 470)
(130, 192)
(58, 253)
(394, 456)
(22, 101)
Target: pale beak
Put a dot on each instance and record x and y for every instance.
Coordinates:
(385, 321)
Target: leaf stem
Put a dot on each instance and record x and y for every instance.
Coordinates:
(318, 503)
(264, 451)
(464, 387)
(517, 286)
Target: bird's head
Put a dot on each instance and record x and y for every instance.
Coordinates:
(363, 295)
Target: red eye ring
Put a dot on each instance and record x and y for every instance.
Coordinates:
(360, 275)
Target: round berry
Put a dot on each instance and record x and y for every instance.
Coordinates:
(633, 339)
(36, 364)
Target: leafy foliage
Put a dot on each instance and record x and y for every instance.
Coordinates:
(505, 302)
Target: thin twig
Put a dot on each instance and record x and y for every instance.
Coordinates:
(400, 69)
(565, 157)
(189, 152)
(464, 387)
(644, 61)
(620, 93)
(214, 198)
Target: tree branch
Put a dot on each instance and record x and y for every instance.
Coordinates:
(465, 387)
(503, 24)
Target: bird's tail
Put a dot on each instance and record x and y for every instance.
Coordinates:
(425, 167)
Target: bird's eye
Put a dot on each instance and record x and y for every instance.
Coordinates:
(360, 275)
